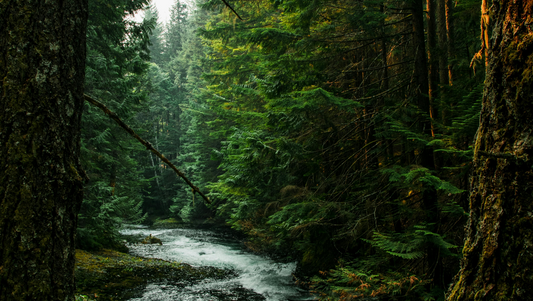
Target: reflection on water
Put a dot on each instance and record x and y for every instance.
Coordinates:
(258, 278)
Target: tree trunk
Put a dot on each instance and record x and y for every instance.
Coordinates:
(425, 153)
(385, 76)
(498, 251)
(442, 53)
(421, 69)
(443, 43)
(432, 49)
(450, 37)
(421, 65)
(42, 62)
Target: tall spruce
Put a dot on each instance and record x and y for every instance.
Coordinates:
(117, 54)
(156, 43)
(175, 30)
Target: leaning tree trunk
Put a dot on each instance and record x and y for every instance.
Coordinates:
(498, 252)
(42, 61)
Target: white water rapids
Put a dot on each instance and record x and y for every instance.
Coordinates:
(258, 278)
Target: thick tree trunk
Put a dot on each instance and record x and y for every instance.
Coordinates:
(432, 62)
(498, 252)
(42, 61)
(421, 65)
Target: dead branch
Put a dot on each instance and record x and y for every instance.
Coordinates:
(145, 143)
(229, 6)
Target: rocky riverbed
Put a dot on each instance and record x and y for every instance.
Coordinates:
(171, 261)
(112, 275)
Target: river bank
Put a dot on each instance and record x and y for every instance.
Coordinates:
(193, 263)
(112, 275)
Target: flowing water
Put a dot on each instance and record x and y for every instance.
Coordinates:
(257, 277)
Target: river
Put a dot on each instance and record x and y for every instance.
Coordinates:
(257, 277)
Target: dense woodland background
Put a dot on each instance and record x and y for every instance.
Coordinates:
(338, 132)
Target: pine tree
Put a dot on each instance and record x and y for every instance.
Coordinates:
(175, 30)
(117, 54)
(156, 43)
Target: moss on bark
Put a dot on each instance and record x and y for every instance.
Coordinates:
(42, 59)
(498, 250)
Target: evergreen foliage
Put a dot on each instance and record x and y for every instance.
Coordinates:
(329, 148)
(176, 118)
(117, 54)
(352, 282)
(308, 125)
(156, 46)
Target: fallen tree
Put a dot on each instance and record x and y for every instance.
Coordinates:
(147, 144)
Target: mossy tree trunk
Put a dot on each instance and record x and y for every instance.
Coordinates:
(42, 61)
(498, 252)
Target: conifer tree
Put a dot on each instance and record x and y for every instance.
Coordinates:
(330, 142)
(175, 30)
(156, 44)
(117, 54)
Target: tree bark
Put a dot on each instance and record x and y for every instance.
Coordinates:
(443, 43)
(385, 76)
(432, 49)
(421, 66)
(450, 37)
(421, 75)
(498, 252)
(442, 54)
(42, 62)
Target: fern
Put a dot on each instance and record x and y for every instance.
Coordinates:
(407, 246)
(411, 244)
(350, 280)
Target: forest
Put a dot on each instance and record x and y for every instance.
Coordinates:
(382, 145)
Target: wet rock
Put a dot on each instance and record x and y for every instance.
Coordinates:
(115, 276)
(152, 240)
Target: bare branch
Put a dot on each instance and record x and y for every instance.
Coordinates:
(145, 143)
(229, 6)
